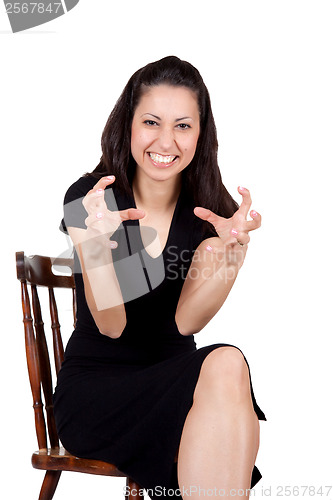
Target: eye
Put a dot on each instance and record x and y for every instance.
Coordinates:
(150, 122)
(184, 126)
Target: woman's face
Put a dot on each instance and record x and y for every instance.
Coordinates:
(165, 131)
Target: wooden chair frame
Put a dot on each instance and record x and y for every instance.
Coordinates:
(37, 271)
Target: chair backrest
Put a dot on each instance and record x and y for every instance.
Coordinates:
(36, 271)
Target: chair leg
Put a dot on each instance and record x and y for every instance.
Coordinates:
(49, 485)
(133, 490)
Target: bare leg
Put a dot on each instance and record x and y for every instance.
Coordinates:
(220, 438)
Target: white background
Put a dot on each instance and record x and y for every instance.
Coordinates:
(268, 66)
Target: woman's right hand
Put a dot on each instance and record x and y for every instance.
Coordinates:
(101, 222)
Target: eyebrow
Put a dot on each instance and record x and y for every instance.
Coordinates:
(177, 120)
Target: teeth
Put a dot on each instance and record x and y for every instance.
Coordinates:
(161, 159)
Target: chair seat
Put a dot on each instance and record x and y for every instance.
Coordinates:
(60, 459)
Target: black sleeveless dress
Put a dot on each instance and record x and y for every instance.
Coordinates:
(125, 400)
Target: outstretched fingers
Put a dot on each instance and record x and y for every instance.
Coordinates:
(94, 199)
(115, 217)
(255, 223)
(238, 237)
(206, 214)
(103, 182)
(131, 214)
(246, 201)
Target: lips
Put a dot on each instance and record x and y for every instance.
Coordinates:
(162, 160)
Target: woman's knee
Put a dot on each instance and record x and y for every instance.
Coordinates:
(224, 370)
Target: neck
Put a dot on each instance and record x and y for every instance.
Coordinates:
(155, 195)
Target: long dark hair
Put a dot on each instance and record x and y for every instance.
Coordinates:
(202, 177)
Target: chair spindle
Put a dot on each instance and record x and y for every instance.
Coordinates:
(33, 368)
(44, 366)
(55, 325)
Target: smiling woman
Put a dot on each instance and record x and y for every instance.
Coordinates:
(134, 390)
(165, 131)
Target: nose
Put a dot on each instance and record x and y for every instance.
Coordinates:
(166, 139)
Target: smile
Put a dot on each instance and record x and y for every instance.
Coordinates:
(161, 159)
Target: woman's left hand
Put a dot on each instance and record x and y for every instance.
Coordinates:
(233, 232)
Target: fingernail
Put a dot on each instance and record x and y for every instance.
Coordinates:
(113, 244)
(234, 232)
(209, 248)
(241, 188)
(99, 215)
(254, 213)
(111, 177)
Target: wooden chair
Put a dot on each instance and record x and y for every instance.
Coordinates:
(36, 271)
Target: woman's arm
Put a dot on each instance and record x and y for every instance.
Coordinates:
(215, 266)
(207, 285)
(93, 247)
(101, 286)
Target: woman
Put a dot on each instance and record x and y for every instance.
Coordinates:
(159, 242)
